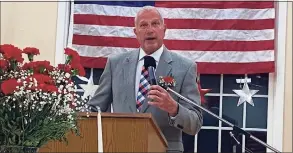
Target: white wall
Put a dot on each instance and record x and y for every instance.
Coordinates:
(287, 131)
(30, 24)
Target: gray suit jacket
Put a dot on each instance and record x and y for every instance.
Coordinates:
(117, 86)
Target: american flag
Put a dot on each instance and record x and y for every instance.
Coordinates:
(221, 37)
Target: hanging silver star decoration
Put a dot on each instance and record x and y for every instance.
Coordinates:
(245, 95)
(90, 87)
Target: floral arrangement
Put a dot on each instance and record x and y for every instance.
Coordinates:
(38, 102)
(167, 81)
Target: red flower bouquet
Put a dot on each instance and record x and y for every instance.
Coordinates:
(38, 102)
(167, 81)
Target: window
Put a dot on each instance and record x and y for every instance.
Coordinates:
(221, 100)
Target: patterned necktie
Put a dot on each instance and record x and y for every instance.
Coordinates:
(142, 88)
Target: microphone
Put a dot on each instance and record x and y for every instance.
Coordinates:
(152, 76)
(150, 65)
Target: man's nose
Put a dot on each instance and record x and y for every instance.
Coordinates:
(150, 29)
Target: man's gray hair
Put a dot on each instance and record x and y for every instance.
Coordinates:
(148, 8)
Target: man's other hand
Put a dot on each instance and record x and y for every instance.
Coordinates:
(160, 98)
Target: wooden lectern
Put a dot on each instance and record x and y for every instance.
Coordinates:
(121, 133)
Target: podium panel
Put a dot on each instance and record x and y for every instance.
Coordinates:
(121, 133)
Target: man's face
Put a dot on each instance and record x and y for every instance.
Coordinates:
(149, 31)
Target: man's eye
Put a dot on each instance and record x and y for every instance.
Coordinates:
(143, 25)
(156, 23)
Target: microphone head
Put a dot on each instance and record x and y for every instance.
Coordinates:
(150, 65)
(152, 76)
(149, 61)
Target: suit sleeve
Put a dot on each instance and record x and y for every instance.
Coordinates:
(189, 118)
(103, 95)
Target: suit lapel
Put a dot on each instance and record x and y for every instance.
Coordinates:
(129, 73)
(163, 69)
(164, 66)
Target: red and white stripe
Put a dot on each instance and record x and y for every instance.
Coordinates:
(222, 37)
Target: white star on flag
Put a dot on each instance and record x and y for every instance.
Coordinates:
(245, 95)
(90, 87)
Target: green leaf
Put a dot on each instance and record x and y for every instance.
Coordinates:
(30, 57)
(74, 72)
(5, 130)
(42, 70)
(18, 132)
(6, 117)
(18, 119)
(31, 70)
(12, 122)
(2, 120)
(13, 64)
(11, 140)
(9, 125)
(68, 59)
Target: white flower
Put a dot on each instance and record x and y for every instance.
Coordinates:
(67, 75)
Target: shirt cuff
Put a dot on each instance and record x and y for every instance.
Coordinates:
(173, 118)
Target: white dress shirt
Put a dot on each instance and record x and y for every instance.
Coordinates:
(156, 55)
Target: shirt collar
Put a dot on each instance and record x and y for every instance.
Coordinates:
(156, 55)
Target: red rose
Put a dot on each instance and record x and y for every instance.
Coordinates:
(65, 68)
(5, 47)
(73, 56)
(11, 53)
(3, 64)
(79, 68)
(51, 88)
(71, 52)
(9, 86)
(168, 79)
(41, 78)
(31, 50)
(39, 66)
(28, 66)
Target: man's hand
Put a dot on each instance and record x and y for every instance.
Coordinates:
(160, 98)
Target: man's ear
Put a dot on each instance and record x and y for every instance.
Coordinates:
(134, 30)
(165, 28)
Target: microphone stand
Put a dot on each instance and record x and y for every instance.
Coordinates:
(235, 128)
(237, 143)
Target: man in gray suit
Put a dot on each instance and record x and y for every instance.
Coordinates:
(119, 83)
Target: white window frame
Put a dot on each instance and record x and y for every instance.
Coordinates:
(276, 80)
(63, 30)
(221, 94)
